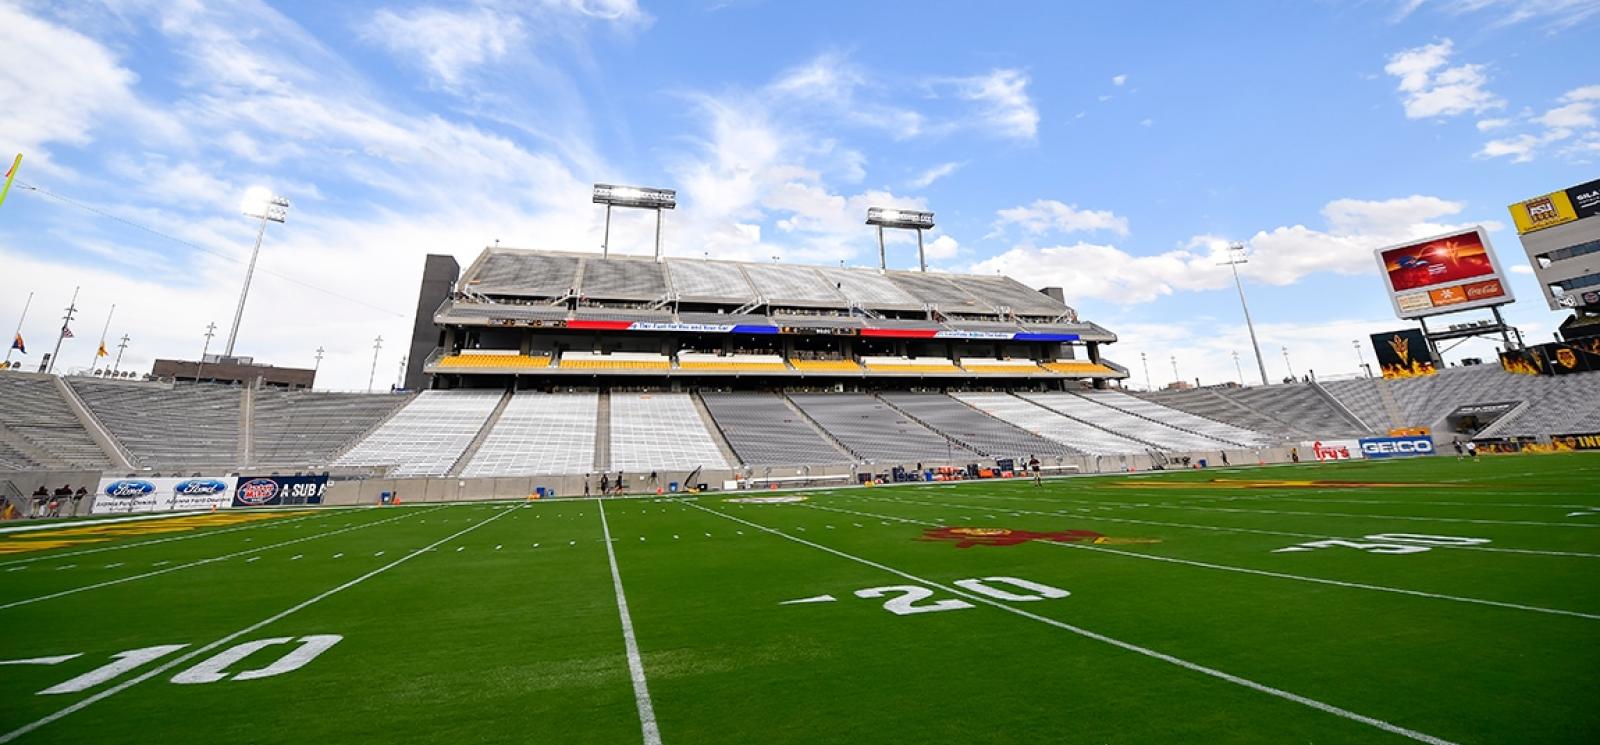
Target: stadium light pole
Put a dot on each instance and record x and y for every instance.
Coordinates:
(887, 217)
(1361, 360)
(377, 344)
(122, 347)
(269, 207)
(1146, 362)
(1286, 362)
(211, 330)
(639, 197)
(1237, 368)
(1235, 258)
(1175, 375)
(66, 330)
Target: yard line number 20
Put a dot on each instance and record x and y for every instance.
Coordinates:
(904, 599)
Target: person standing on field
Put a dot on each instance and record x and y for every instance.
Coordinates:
(1033, 465)
(1472, 450)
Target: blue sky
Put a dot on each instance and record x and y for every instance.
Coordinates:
(1111, 148)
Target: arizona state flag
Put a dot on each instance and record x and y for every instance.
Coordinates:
(18, 345)
(102, 352)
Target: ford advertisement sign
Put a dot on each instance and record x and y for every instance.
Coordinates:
(1396, 447)
(162, 494)
(274, 491)
(128, 489)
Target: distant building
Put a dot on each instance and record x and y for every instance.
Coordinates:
(215, 368)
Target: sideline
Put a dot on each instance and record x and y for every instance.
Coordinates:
(641, 690)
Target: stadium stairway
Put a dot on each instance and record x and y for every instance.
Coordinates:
(1344, 411)
(247, 416)
(1087, 423)
(821, 430)
(956, 442)
(1109, 401)
(119, 455)
(715, 430)
(483, 434)
(602, 433)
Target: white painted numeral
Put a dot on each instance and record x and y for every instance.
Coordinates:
(211, 669)
(981, 587)
(121, 662)
(1431, 540)
(310, 647)
(905, 603)
(1374, 548)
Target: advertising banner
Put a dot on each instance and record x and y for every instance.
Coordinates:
(275, 491)
(1527, 361)
(1443, 274)
(1589, 441)
(129, 495)
(1557, 208)
(1403, 354)
(1326, 450)
(1396, 447)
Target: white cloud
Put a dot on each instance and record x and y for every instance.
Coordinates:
(942, 247)
(1488, 125)
(1146, 122)
(1431, 88)
(1555, 15)
(1577, 115)
(448, 43)
(1573, 120)
(935, 173)
(1279, 256)
(1119, 80)
(1007, 109)
(1521, 269)
(1586, 93)
(1046, 215)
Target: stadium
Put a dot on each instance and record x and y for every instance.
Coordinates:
(685, 497)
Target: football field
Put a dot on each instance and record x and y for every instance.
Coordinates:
(1424, 600)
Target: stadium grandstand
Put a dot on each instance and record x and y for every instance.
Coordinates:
(548, 369)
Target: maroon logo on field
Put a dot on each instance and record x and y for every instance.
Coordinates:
(969, 537)
(258, 491)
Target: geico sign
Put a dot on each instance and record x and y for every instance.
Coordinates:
(1397, 447)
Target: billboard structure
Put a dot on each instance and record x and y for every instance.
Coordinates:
(1443, 274)
(1557, 208)
(1404, 354)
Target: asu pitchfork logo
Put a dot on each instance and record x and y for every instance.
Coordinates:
(1401, 347)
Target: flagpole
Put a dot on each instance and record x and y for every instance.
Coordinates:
(72, 308)
(103, 332)
(18, 332)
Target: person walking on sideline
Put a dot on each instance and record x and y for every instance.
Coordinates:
(1459, 450)
(586, 485)
(1033, 465)
(1472, 450)
(605, 484)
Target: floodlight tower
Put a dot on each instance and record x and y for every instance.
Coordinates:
(640, 197)
(886, 217)
(269, 207)
(1235, 258)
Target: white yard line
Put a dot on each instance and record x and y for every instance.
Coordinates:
(214, 559)
(1264, 572)
(1295, 512)
(641, 690)
(1393, 729)
(114, 690)
(186, 536)
(1223, 529)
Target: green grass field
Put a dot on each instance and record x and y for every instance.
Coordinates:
(1428, 600)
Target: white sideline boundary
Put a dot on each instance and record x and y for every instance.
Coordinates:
(197, 562)
(1393, 729)
(641, 688)
(1229, 529)
(1265, 572)
(125, 685)
(200, 533)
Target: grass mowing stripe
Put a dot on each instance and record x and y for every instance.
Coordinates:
(1276, 498)
(1393, 729)
(1263, 572)
(184, 537)
(199, 562)
(1222, 529)
(114, 690)
(1307, 514)
(641, 690)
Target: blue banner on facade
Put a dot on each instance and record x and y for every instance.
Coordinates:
(276, 491)
(1396, 447)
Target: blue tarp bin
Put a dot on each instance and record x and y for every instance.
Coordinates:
(539, 490)
(385, 497)
(672, 486)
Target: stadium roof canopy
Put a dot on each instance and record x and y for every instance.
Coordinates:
(519, 273)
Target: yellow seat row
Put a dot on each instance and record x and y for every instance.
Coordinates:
(616, 365)
(825, 365)
(1003, 369)
(516, 361)
(916, 368)
(734, 366)
(1078, 368)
